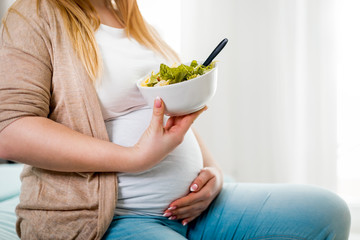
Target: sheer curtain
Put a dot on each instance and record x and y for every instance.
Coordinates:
(273, 118)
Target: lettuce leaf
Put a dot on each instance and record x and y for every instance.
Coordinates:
(180, 73)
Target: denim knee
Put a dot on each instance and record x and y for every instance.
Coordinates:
(335, 211)
(274, 211)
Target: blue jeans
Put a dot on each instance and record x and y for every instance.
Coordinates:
(250, 212)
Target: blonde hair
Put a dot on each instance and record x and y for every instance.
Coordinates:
(81, 21)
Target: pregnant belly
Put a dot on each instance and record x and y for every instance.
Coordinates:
(150, 192)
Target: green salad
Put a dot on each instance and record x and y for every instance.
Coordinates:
(170, 75)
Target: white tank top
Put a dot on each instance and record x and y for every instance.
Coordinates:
(127, 116)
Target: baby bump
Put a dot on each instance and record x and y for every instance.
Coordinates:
(150, 192)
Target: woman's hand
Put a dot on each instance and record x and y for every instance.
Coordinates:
(159, 140)
(34, 140)
(203, 190)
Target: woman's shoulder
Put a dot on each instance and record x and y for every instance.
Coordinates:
(26, 18)
(31, 9)
(28, 26)
(29, 14)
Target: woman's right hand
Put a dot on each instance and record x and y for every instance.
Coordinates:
(158, 140)
(46, 144)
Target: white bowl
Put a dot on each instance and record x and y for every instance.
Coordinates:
(184, 97)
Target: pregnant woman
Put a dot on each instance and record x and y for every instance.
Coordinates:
(127, 117)
(99, 163)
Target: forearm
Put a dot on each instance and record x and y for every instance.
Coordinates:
(208, 159)
(43, 143)
(46, 144)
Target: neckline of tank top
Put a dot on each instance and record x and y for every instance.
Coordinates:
(117, 32)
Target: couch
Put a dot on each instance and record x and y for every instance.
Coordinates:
(9, 198)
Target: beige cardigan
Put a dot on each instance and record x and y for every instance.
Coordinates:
(40, 75)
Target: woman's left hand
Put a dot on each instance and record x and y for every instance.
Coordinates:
(203, 190)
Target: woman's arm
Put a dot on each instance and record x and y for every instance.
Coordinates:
(211, 170)
(203, 190)
(26, 89)
(208, 159)
(43, 143)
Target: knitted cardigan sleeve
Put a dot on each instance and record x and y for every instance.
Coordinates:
(25, 67)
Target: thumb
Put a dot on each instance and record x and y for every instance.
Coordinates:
(158, 112)
(201, 180)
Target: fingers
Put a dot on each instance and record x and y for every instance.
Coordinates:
(169, 123)
(194, 115)
(187, 220)
(184, 122)
(191, 199)
(179, 125)
(187, 213)
(158, 112)
(204, 176)
(193, 204)
(205, 182)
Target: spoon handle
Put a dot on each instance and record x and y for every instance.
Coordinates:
(215, 52)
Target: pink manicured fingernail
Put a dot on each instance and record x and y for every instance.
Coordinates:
(172, 208)
(194, 187)
(184, 223)
(172, 218)
(158, 102)
(167, 214)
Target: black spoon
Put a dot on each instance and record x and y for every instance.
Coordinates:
(216, 51)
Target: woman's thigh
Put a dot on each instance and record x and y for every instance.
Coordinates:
(144, 228)
(273, 211)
